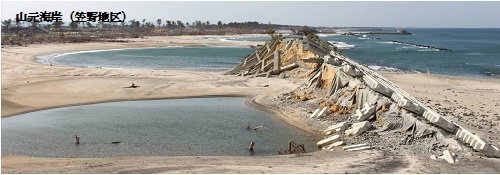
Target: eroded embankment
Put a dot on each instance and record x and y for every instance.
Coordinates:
(360, 105)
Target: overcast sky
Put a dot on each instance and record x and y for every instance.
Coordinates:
(320, 13)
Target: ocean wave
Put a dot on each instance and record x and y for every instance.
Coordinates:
(428, 50)
(384, 68)
(227, 39)
(104, 50)
(391, 69)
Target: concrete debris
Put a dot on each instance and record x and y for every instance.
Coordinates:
(320, 113)
(328, 140)
(356, 147)
(433, 157)
(360, 148)
(337, 128)
(339, 143)
(365, 113)
(477, 143)
(314, 113)
(407, 104)
(358, 128)
(349, 70)
(323, 112)
(439, 120)
(349, 92)
(449, 157)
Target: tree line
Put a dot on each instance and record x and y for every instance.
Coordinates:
(14, 32)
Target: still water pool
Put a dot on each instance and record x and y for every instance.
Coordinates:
(175, 127)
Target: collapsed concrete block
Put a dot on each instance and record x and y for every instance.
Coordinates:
(339, 143)
(433, 157)
(333, 61)
(358, 128)
(377, 86)
(459, 133)
(497, 151)
(323, 112)
(477, 143)
(372, 83)
(439, 120)
(411, 106)
(340, 127)
(365, 113)
(448, 157)
(358, 113)
(361, 124)
(349, 70)
(469, 138)
(354, 146)
(407, 103)
(396, 96)
(491, 151)
(314, 113)
(360, 148)
(328, 140)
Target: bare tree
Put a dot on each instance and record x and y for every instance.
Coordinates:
(158, 21)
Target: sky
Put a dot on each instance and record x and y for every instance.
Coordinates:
(425, 14)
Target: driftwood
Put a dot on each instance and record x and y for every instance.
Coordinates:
(293, 149)
(251, 146)
(77, 139)
(132, 86)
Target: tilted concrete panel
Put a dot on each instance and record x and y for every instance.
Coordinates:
(354, 146)
(314, 113)
(349, 70)
(328, 140)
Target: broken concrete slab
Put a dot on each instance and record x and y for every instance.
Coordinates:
(377, 85)
(433, 157)
(434, 118)
(359, 148)
(323, 112)
(358, 128)
(489, 150)
(314, 113)
(340, 127)
(339, 143)
(349, 70)
(449, 157)
(354, 146)
(332, 60)
(365, 113)
(361, 124)
(328, 140)
(497, 151)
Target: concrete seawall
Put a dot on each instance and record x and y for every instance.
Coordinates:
(344, 81)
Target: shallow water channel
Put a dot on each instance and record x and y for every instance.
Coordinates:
(174, 127)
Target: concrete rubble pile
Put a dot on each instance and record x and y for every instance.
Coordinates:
(355, 98)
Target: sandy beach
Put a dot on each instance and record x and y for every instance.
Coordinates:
(28, 85)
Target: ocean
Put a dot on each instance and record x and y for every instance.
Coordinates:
(179, 58)
(464, 52)
(471, 52)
